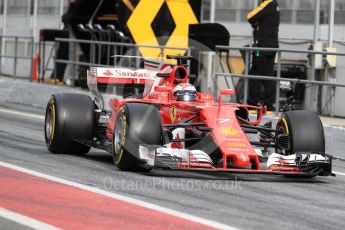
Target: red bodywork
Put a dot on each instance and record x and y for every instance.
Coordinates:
(221, 117)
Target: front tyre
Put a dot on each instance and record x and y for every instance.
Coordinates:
(305, 131)
(69, 117)
(136, 124)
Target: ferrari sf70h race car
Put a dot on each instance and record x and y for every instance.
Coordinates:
(155, 119)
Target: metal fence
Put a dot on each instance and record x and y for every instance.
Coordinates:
(248, 51)
(103, 54)
(14, 54)
(118, 54)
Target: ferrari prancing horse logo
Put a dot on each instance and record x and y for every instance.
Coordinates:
(173, 113)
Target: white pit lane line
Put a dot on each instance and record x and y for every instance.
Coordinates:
(25, 221)
(130, 200)
(24, 114)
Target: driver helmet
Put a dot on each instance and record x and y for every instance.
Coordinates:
(185, 92)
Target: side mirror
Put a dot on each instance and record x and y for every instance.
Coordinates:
(223, 92)
(227, 92)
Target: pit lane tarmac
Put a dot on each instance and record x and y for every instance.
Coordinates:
(239, 201)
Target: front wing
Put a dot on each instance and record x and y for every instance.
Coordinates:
(296, 165)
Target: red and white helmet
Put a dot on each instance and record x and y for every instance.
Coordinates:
(185, 92)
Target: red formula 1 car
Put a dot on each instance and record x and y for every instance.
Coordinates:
(156, 119)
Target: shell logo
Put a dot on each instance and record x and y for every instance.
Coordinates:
(229, 131)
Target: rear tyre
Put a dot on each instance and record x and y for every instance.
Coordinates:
(305, 131)
(136, 124)
(69, 117)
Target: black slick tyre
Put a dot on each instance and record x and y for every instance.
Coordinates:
(69, 117)
(305, 131)
(136, 124)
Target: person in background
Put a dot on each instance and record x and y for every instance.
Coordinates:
(62, 51)
(265, 20)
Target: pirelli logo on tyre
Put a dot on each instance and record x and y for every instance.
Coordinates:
(161, 23)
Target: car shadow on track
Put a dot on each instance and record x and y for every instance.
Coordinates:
(99, 157)
(230, 176)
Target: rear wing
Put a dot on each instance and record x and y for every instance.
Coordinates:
(124, 76)
(116, 76)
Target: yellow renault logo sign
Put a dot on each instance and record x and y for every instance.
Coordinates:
(141, 19)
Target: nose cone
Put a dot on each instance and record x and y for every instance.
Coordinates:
(241, 160)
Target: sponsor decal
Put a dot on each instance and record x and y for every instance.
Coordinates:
(177, 145)
(223, 120)
(91, 80)
(126, 73)
(232, 144)
(129, 73)
(200, 165)
(234, 139)
(108, 73)
(173, 113)
(238, 150)
(229, 132)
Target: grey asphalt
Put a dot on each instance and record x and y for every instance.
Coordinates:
(8, 224)
(24, 92)
(243, 201)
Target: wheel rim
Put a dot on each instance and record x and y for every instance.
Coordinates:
(118, 135)
(283, 126)
(49, 124)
